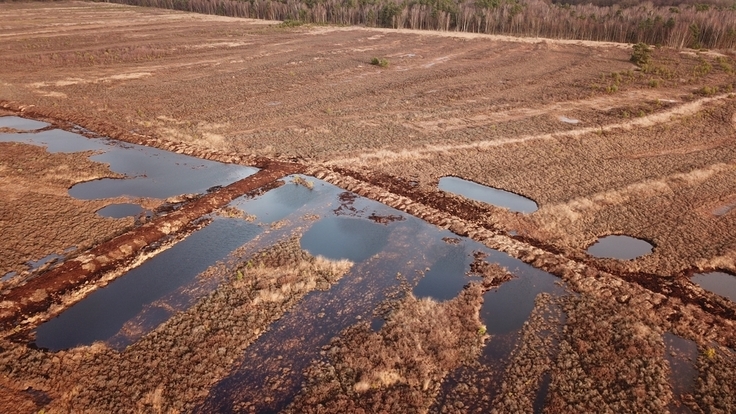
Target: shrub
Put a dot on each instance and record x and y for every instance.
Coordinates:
(642, 54)
(379, 62)
(725, 66)
(291, 23)
(708, 90)
(703, 68)
(299, 180)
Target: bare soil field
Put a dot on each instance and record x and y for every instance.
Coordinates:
(602, 146)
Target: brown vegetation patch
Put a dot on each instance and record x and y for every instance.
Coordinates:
(717, 368)
(401, 366)
(488, 271)
(325, 93)
(618, 357)
(389, 218)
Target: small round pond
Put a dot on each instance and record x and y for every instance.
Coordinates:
(485, 194)
(620, 247)
(719, 283)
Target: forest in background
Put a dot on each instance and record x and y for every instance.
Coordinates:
(707, 24)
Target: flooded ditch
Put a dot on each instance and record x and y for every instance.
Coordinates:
(682, 355)
(149, 172)
(148, 176)
(21, 124)
(485, 194)
(104, 312)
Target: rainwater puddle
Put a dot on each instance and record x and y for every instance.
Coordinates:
(35, 265)
(446, 276)
(122, 210)
(682, 355)
(723, 210)
(151, 172)
(101, 314)
(21, 124)
(507, 307)
(619, 247)
(345, 238)
(719, 283)
(8, 276)
(485, 194)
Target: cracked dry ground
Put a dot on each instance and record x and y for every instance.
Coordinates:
(654, 163)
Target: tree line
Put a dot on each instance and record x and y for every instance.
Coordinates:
(706, 25)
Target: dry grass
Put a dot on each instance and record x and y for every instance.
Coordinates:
(619, 358)
(281, 92)
(717, 368)
(661, 183)
(400, 367)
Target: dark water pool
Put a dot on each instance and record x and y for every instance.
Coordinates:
(121, 210)
(507, 308)
(490, 195)
(281, 202)
(681, 354)
(447, 275)
(717, 282)
(620, 247)
(349, 238)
